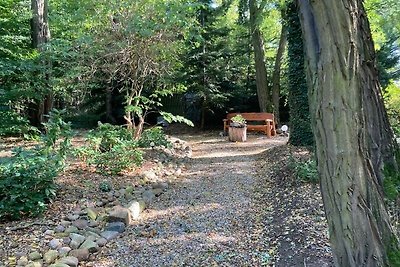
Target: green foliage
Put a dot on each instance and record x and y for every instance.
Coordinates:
(239, 119)
(392, 103)
(305, 171)
(300, 123)
(105, 186)
(111, 149)
(27, 179)
(175, 118)
(13, 124)
(154, 137)
(391, 183)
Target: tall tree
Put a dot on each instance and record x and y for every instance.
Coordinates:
(263, 91)
(40, 37)
(353, 138)
(276, 75)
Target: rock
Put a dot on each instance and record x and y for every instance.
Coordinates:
(91, 230)
(49, 232)
(115, 226)
(64, 251)
(66, 240)
(59, 229)
(70, 261)
(109, 235)
(55, 244)
(136, 207)
(162, 186)
(76, 240)
(93, 223)
(92, 234)
(80, 224)
(22, 261)
(72, 217)
(59, 264)
(149, 175)
(148, 196)
(34, 264)
(65, 223)
(34, 256)
(50, 256)
(101, 242)
(157, 191)
(92, 213)
(90, 245)
(81, 254)
(178, 172)
(119, 214)
(72, 229)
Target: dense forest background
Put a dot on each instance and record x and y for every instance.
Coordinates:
(106, 60)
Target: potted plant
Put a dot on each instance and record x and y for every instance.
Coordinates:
(238, 129)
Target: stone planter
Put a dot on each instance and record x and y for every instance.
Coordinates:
(237, 134)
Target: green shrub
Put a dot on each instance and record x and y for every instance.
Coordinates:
(105, 186)
(27, 180)
(111, 149)
(13, 124)
(305, 171)
(154, 137)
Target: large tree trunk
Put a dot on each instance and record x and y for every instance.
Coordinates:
(40, 36)
(263, 91)
(276, 76)
(352, 135)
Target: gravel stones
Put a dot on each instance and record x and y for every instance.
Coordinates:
(148, 196)
(72, 217)
(135, 208)
(116, 227)
(64, 251)
(76, 240)
(50, 256)
(58, 264)
(59, 229)
(90, 245)
(34, 256)
(92, 213)
(22, 261)
(109, 235)
(80, 224)
(81, 254)
(55, 244)
(101, 242)
(119, 214)
(69, 261)
(72, 229)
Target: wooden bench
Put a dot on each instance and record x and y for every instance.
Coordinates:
(266, 122)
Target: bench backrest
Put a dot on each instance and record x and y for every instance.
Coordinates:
(261, 116)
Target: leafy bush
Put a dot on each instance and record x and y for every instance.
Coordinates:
(13, 124)
(27, 179)
(306, 171)
(105, 186)
(111, 149)
(154, 137)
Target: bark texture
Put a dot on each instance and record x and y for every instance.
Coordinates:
(263, 92)
(40, 36)
(276, 76)
(352, 134)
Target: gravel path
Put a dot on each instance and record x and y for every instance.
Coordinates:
(207, 218)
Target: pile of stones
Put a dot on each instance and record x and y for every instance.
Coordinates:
(81, 234)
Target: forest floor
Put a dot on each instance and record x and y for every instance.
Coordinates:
(235, 204)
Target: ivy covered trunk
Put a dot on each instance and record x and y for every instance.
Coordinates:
(352, 135)
(300, 124)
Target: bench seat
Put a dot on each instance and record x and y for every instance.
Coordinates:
(266, 122)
